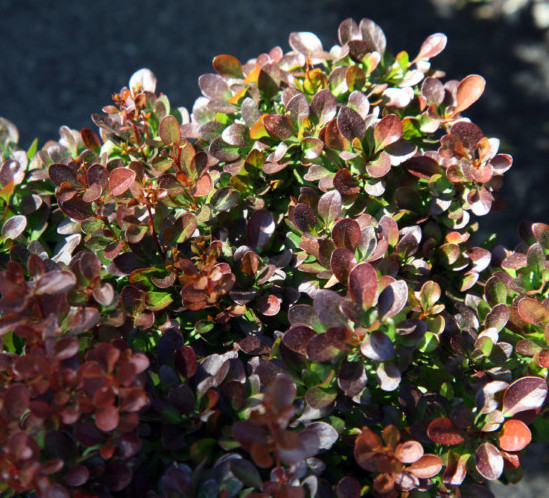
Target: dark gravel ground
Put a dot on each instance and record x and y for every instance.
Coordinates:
(61, 60)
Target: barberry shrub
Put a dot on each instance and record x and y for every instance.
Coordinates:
(275, 296)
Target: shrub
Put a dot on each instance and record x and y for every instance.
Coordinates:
(278, 296)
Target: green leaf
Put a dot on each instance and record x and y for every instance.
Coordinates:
(158, 300)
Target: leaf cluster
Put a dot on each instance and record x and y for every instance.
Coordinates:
(275, 295)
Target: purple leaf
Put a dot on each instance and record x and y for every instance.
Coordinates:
(377, 346)
(363, 285)
(489, 461)
(350, 124)
(260, 229)
(14, 226)
(393, 299)
(341, 263)
(526, 393)
(327, 306)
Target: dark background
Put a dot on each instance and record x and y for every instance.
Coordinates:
(61, 60)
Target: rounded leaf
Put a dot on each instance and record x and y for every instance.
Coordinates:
(515, 435)
(14, 226)
(227, 65)
(526, 393)
(427, 466)
(169, 130)
(432, 46)
(443, 431)
(297, 337)
(469, 91)
(260, 229)
(489, 461)
(120, 180)
(305, 42)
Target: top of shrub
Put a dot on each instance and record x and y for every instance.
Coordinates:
(277, 295)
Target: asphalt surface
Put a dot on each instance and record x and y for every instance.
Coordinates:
(60, 61)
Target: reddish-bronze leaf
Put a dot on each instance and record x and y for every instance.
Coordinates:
(469, 91)
(227, 65)
(427, 466)
(443, 431)
(514, 436)
(120, 180)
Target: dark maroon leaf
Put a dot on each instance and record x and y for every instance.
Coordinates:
(76, 208)
(327, 306)
(350, 124)
(87, 434)
(260, 229)
(489, 461)
(393, 299)
(297, 337)
(319, 348)
(352, 378)
(61, 173)
(346, 233)
(363, 285)
(304, 217)
(55, 282)
(342, 338)
(16, 401)
(377, 346)
(341, 262)
(345, 183)
(185, 361)
(77, 475)
(526, 393)
(278, 126)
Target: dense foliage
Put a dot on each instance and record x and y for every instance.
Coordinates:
(278, 295)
